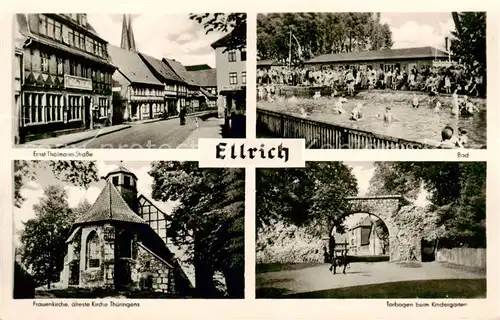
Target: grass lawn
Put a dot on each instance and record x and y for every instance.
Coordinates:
(449, 288)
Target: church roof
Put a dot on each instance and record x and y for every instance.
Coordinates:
(131, 66)
(110, 206)
(121, 169)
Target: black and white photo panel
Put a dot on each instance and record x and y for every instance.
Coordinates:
(373, 80)
(122, 81)
(114, 229)
(374, 230)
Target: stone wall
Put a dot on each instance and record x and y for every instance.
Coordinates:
(280, 243)
(151, 273)
(104, 275)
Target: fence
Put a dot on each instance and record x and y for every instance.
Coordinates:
(323, 135)
(471, 257)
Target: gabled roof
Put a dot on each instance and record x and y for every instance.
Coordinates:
(197, 67)
(204, 78)
(131, 66)
(390, 54)
(161, 68)
(110, 206)
(179, 70)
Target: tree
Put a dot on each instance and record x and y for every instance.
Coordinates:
(457, 193)
(235, 24)
(469, 41)
(43, 238)
(302, 195)
(320, 33)
(209, 220)
(80, 173)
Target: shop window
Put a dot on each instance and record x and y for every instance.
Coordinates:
(93, 253)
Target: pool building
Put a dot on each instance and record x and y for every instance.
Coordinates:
(386, 59)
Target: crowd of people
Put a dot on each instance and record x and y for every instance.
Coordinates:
(426, 78)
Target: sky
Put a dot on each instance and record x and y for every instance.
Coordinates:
(33, 190)
(418, 29)
(161, 36)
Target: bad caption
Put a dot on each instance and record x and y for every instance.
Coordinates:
(426, 304)
(462, 155)
(62, 154)
(86, 304)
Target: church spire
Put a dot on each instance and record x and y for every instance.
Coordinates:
(128, 41)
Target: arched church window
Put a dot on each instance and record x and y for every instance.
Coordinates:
(93, 251)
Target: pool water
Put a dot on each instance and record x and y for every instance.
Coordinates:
(416, 124)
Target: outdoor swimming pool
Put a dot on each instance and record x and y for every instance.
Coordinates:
(417, 124)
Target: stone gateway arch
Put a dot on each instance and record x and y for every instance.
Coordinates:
(404, 242)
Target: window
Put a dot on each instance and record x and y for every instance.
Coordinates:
(243, 55)
(89, 45)
(82, 41)
(115, 181)
(50, 28)
(44, 62)
(93, 257)
(127, 181)
(71, 37)
(43, 24)
(103, 107)
(232, 55)
(233, 78)
(60, 66)
(57, 31)
(85, 70)
(72, 68)
(244, 77)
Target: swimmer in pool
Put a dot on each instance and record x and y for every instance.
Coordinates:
(462, 139)
(468, 106)
(388, 116)
(437, 107)
(455, 106)
(415, 101)
(356, 113)
(338, 105)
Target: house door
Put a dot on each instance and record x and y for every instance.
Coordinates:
(74, 273)
(87, 112)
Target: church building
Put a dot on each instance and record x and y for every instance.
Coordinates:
(121, 244)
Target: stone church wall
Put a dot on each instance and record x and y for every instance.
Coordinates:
(151, 273)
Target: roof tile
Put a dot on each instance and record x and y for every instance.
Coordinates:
(131, 65)
(110, 206)
(204, 78)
